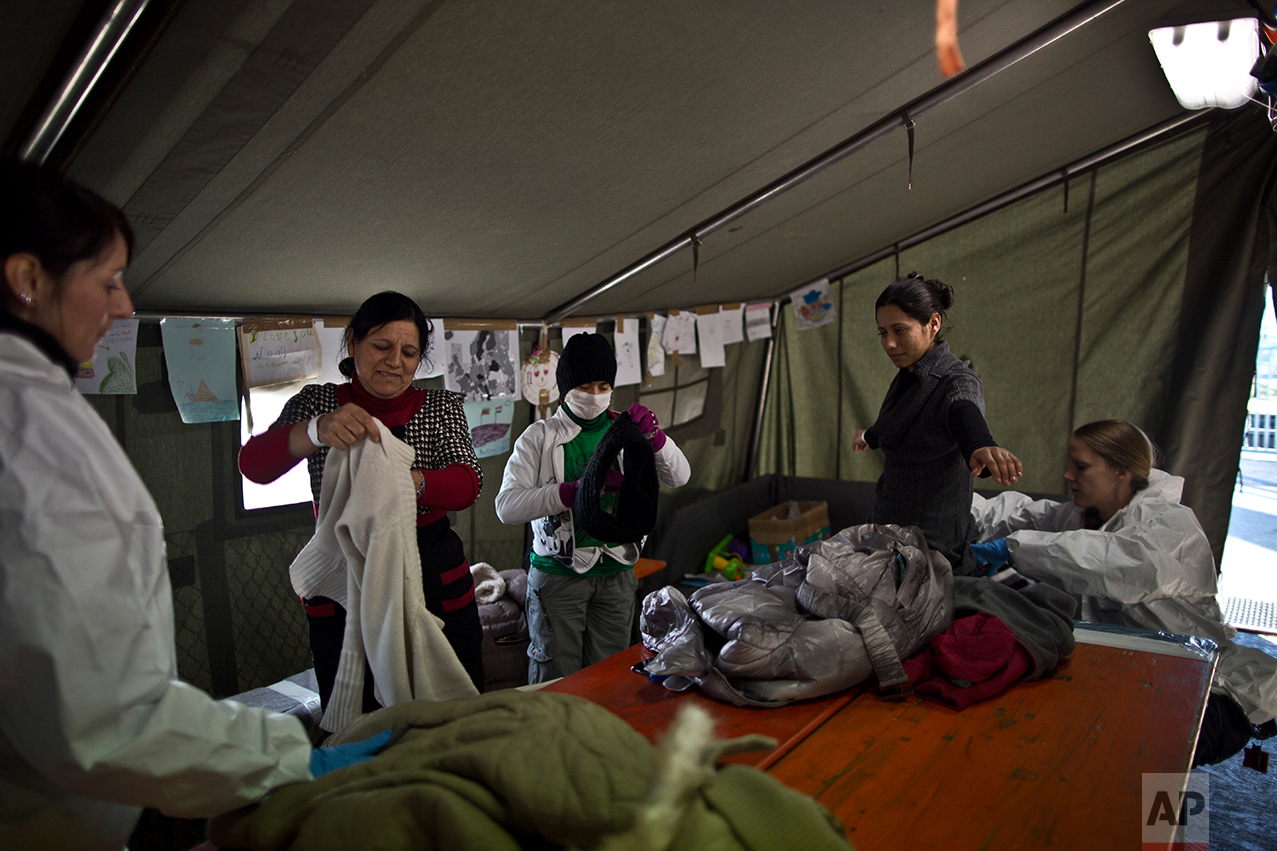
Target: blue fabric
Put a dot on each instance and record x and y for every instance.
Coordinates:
(324, 760)
(992, 555)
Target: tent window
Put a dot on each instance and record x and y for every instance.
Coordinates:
(678, 396)
(294, 486)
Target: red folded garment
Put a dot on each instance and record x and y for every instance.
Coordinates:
(918, 666)
(943, 690)
(972, 648)
(980, 650)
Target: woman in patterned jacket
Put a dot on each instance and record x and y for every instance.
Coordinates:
(385, 341)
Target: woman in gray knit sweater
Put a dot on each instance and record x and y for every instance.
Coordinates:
(931, 425)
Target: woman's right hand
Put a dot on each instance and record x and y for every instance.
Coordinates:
(1005, 467)
(858, 442)
(341, 429)
(346, 426)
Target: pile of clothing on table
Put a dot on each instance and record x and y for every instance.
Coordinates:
(511, 770)
(857, 605)
(998, 637)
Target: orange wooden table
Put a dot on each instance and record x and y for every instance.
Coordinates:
(1053, 763)
(650, 707)
(1057, 762)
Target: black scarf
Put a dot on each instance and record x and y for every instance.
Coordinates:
(909, 392)
(635, 515)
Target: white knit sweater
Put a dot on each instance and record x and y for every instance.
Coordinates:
(364, 556)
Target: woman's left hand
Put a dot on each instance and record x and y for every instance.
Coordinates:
(650, 428)
(1001, 464)
(992, 556)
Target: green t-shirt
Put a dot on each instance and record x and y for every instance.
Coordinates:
(576, 456)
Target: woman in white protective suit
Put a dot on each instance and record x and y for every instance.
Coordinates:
(94, 723)
(1134, 556)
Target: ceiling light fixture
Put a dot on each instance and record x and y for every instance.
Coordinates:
(1209, 64)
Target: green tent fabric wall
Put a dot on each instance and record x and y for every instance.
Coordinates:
(1137, 300)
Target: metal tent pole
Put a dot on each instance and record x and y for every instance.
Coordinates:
(79, 81)
(756, 439)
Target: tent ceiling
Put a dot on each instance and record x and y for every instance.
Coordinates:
(499, 158)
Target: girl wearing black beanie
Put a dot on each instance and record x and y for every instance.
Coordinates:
(580, 603)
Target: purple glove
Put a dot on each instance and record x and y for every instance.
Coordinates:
(648, 425)
(611, 484)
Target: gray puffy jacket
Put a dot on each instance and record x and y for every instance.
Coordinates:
(826, 618)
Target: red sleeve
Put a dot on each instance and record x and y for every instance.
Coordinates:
(454, 488)
(266, 457)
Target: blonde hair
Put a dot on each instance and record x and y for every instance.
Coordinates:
(1123, 446)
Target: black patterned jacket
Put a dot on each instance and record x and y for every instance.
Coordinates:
(437, 432)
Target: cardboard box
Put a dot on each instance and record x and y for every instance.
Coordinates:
(773, 533)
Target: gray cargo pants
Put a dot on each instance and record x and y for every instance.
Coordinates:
(576, 621)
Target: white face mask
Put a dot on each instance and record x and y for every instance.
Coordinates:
(587, 406)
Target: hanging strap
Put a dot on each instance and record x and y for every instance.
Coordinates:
(909, 125)
(696, 254)
(882, 653)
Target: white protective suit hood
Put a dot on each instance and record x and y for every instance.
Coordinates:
(1161, 485)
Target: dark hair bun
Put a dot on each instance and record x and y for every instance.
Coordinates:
(920, 298)
(347, 367)
(943, 293)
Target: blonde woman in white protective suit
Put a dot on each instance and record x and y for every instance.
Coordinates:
(1134, 556)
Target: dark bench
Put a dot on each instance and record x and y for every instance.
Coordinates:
(696, 528)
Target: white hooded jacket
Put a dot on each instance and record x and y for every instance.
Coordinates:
(94, 722)
(1149, 567)
(530, 491)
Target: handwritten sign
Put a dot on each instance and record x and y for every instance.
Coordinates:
(276, 351)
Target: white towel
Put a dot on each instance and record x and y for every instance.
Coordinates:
(364, 556)
(488, 584)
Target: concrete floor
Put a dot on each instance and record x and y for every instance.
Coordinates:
(1243, 803)
(1249, 566)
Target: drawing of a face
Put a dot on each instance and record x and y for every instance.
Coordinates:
(539, 375)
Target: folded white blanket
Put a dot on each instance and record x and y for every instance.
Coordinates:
(488, 584)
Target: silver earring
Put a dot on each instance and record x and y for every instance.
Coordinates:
(26, 299)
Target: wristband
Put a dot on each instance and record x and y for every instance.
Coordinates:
(312, 431)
